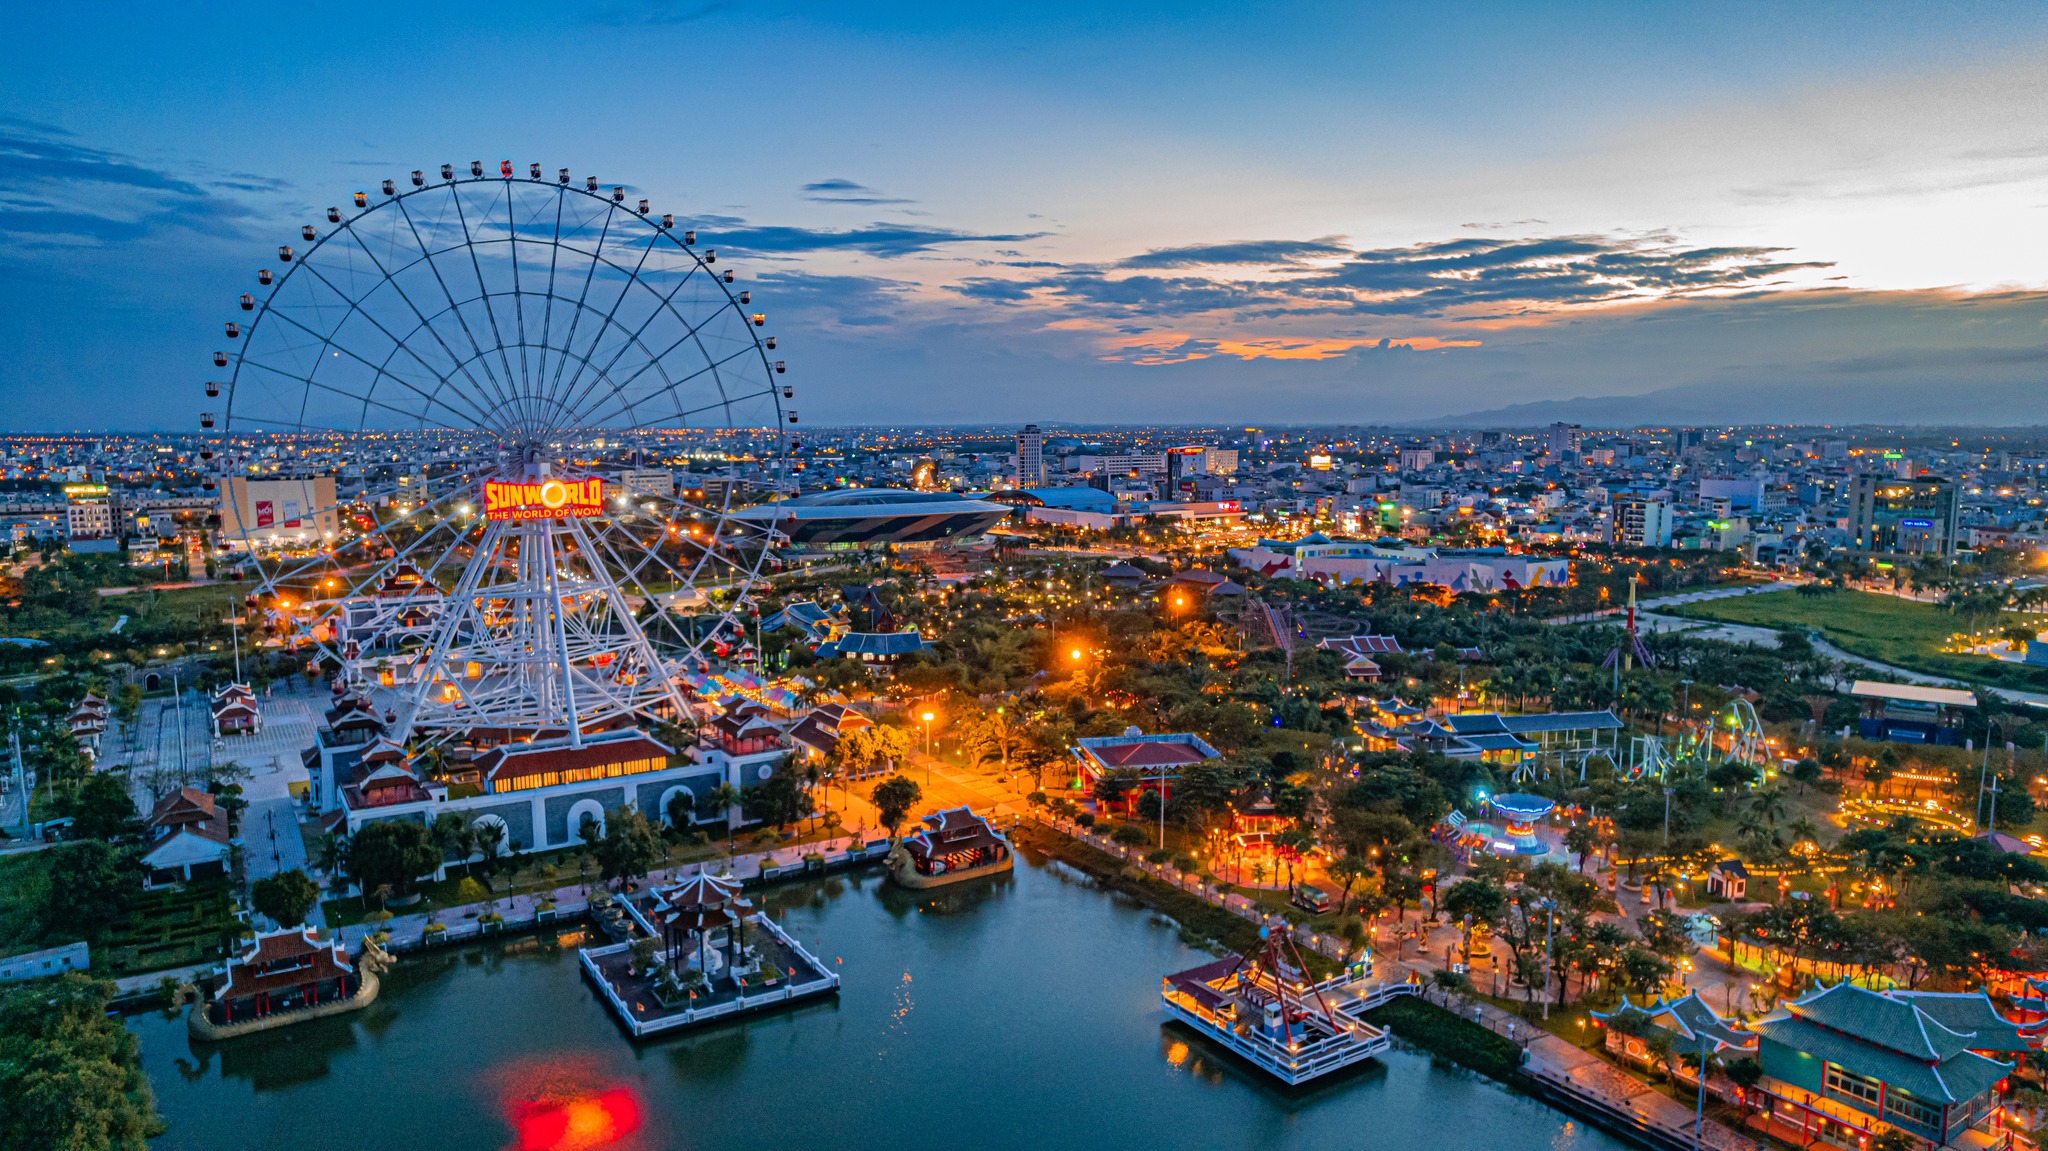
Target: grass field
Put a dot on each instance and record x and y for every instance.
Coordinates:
(1881, 627)
(157, 929)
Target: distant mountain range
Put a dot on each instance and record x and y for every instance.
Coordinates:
(1931, 404)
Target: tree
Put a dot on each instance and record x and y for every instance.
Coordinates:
(680, 808)
(781, 799)
(1472, 902)
(334, 853)
(631, 846)
(455, 836)
(101, 808)
(392, 853)
(489, 836)
(722, 799)
(89, 885)
(1580, 839)
(70, 1074)
(1348, 869)
(1745, 1073)
(894, 797)
(285, 898)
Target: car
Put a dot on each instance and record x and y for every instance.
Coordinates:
(1311, 899)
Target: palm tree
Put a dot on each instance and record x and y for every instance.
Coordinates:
(1769, 804)
(724, 798)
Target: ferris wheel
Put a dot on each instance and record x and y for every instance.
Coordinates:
(448, 422)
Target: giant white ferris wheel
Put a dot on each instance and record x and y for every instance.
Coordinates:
(473, 362)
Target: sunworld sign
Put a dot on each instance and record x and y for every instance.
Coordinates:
(542, 499)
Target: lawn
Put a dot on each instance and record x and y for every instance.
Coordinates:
(157, 929)
(1882, 627)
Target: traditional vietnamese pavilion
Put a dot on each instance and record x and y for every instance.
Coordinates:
(689, 913)
(951, 847)
(284, 977)
(1846, 1063)
(1688, 1024)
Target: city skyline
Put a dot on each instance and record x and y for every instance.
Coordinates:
(1369, 216)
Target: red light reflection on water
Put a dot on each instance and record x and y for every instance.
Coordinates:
(579, 1122)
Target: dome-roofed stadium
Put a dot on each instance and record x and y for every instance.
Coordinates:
(853, 517)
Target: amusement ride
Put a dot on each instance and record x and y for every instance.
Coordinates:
(485, 356)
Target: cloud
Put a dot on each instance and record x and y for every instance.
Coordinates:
(655, 13)
(57, 191)
(1268, 252)
(1458, 279)
(843, 191)
(878, 239)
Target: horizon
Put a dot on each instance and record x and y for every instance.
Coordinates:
(1483, 217)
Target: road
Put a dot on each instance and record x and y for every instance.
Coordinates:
(1670, 600)
(1768, 637)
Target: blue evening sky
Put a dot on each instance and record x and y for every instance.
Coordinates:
(1160, 212)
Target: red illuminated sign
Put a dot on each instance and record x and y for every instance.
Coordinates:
(542, 499)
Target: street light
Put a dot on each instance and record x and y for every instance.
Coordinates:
(927, 717)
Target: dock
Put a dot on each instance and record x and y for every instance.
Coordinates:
(1261, 1008)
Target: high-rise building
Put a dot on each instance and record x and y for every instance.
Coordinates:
(1641, 521)
(1564, 439)
(1687, 439)
(88, 519)
(1903, 517)
(1030, 457)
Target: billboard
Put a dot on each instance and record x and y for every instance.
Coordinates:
(542, 499)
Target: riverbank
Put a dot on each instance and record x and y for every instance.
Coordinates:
(1203, 925)
(1441, 1032)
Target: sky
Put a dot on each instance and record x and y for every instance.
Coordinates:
(1186, 212)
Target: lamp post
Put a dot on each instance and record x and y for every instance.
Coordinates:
(927, 717)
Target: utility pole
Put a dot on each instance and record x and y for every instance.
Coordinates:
(1699, 1110)
(20, 773)
(1549, 929)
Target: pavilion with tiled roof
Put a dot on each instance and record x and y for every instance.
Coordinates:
(1845, 1063)
(1688, 1023)
(1153, 761)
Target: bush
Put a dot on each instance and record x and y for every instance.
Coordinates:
(1187, 863)
(1085, 819)
(1159, 856)
(1441, 1032)
(1128, 834)
(378, 916)
(434, 928)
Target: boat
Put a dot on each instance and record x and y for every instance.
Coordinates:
(953, 846)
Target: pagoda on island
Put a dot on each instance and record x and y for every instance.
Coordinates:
(700, 921)
(952, 847)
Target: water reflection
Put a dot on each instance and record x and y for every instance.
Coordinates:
(1183, 1050)
(1029, 1018)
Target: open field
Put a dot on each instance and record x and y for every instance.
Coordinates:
(1881, 627)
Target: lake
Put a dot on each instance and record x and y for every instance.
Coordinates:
(1018, 1012)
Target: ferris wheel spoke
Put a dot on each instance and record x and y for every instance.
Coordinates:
(547, 323)
(378, 372)
(632, 278)
(461, 321)
(398, 345)
(313, 385)
(516, 390)
(390, 278)
(636, 338)
(554, 388)
(670, 389)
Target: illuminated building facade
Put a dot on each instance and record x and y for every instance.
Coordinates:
(1915, 517)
